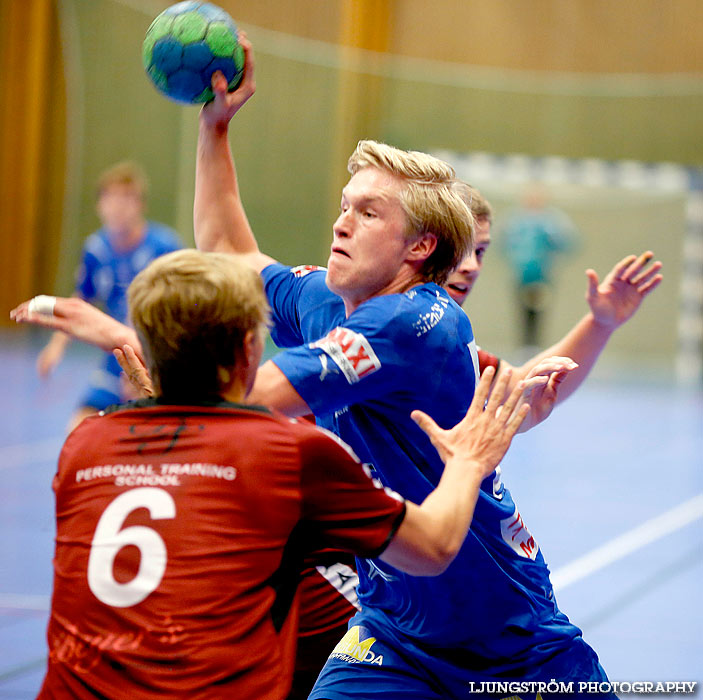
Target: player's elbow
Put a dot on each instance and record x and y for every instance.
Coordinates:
(441, 557)
(435, 562)
(432, 559)
(425, 544)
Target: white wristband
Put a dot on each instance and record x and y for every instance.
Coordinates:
(42, 304)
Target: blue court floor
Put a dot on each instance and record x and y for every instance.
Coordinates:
(611, 487)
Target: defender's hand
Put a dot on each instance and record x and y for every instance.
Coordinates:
(135, 371)
(542, 387)
(483, 435)
(619, 295)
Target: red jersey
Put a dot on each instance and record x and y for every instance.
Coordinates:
(327, 588)
(180, 533)
(328, 593)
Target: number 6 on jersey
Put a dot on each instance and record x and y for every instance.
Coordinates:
(109, 539)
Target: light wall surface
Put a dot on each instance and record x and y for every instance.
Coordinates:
(579, 79)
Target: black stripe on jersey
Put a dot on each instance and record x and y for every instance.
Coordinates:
(396, 524)
(286, 578)
(214, 402)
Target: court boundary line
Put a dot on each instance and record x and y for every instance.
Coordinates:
(614, 550)
(25, 601)
(30, 452)
(619, 547)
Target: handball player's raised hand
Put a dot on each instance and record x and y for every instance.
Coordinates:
(614, 300)
(218, 112)
(486, 431)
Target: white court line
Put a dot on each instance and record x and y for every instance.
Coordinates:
(16, 456)
(30, 452)
(618, 548)
(12, 601)
(640, 536)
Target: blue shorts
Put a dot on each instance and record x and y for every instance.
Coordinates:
(105, 385)
(373, 663)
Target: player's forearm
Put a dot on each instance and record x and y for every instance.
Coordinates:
(59, 341)
(583, 344)
(432, 534)
(219, 220)
(108, 333)
(124, 335)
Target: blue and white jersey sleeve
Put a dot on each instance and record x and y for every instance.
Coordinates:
(160, 239)
(105, 272)
(375, 354)
(95, 256)
(301, 303)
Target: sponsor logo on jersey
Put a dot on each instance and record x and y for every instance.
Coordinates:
(498, 486)
(81, 651)
(355, 651)
(341, 412)
(344, 579)
(326, 369)
(516, 534)
(427, 321)
(302, 270)
(350, 351)
(375, 571)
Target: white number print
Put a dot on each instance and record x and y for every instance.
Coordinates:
(109, 539)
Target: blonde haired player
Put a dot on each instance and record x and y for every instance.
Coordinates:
(182, 519)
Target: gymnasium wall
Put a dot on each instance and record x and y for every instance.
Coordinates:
(583, 79)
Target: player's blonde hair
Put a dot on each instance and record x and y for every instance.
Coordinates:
(428, 198)
(191, 311)
(479, 205)
(124, 173)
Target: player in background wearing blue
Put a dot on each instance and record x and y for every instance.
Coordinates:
(125, 244)
(396, 342)
(534, 236)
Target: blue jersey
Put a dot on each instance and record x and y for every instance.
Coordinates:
(105, 273)
(362, 376)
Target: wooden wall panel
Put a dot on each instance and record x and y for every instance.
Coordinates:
(628, 36)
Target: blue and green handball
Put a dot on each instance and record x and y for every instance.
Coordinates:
(186, 44)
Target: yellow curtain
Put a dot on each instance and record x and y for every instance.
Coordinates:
(366, 25)
(32, 149)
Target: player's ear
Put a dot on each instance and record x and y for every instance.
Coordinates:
(422, 247)
(249, 357)
(245, 356)
(251, 348)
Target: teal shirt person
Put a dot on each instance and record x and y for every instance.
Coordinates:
(531, 239)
